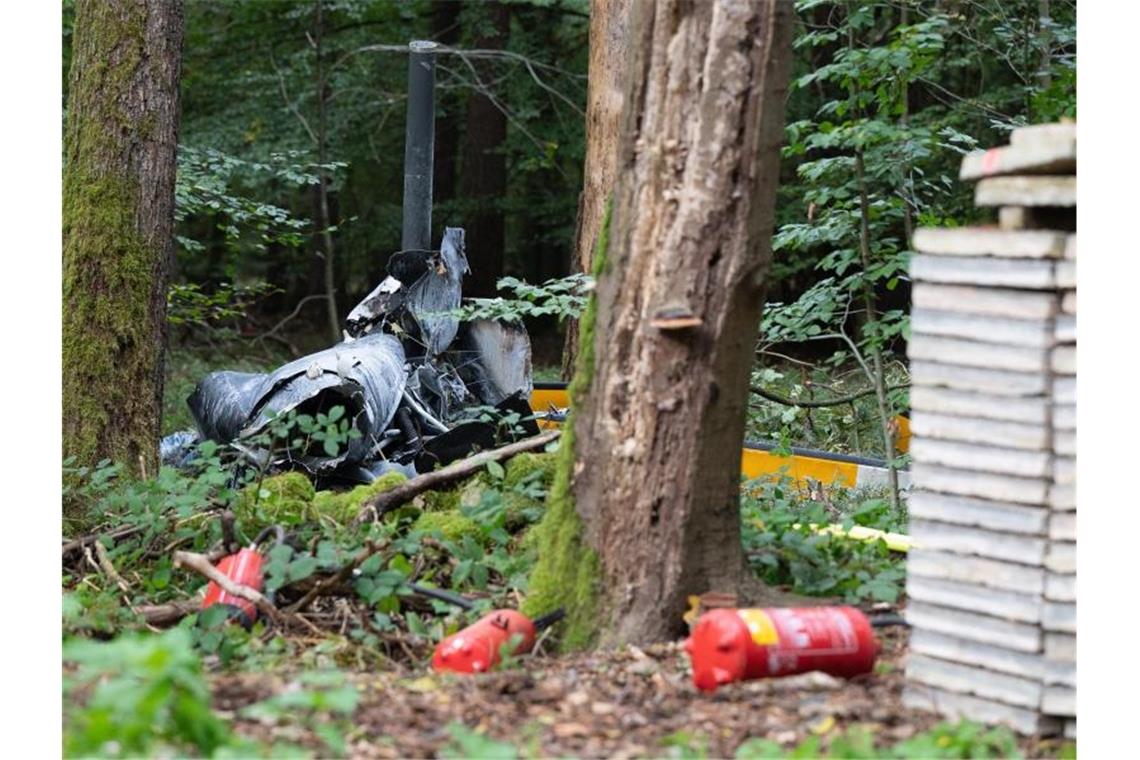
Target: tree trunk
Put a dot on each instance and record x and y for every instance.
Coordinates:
(483, 182)
(324, 219)
(605, 98)
(120, 145)
(445, 28)
(652, 476)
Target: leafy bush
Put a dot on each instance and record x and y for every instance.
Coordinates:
(145, 696)
(564, 297)
(784, 550)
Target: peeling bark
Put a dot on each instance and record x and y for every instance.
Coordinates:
(605, 100)
(659, 426)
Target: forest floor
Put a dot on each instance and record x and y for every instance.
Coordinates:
(633, 702)
(358, 684)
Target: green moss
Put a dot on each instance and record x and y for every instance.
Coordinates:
(114, 279)
(521, 468)
(440, 501)
(285, 499)
(567, 572)
(472, 490)
(452, 524)
(345, 506)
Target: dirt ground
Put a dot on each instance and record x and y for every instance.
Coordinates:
(623, 704)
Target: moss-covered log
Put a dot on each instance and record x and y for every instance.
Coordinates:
(118, 211)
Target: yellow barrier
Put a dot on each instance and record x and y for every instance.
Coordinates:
(755, 463)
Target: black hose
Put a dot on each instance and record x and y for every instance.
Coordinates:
(888, 620)
(444, 596)
(549, 619)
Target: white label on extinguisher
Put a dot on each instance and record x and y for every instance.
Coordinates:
(822, 631)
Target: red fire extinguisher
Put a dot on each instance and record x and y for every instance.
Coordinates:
(243, 568)
(476, 648)
(729, 645)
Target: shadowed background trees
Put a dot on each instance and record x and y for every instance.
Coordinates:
(289, 168)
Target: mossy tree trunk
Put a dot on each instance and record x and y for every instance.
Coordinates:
(662, 382)
(605, 100)
(120, 143)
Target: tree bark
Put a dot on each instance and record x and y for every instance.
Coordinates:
(662, 380)
(324, 218)
(483, 182)
(120, 144)
(605, 98)
(445, 28)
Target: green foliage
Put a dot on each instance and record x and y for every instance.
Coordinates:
(188, 304)
(321, 701)
(563, 298)
(852, 427)
(139, 695)
(685, 745)
(894, 87)
(784, 550)
(283, 499)
(960, 740)
(208, 185)
(451, 525)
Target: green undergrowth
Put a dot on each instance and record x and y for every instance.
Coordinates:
(472, 539)
(145, 695)
(477, 529)
(777, 516)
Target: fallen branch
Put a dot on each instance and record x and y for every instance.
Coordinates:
(79, 543)
(816, 404)
(385, 502)
(167, 614)
(108, 567)
(201, 565)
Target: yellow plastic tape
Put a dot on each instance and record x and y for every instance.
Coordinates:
(896, 542)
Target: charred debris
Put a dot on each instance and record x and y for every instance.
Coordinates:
(420, 387)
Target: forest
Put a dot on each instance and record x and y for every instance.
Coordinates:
(690, 225)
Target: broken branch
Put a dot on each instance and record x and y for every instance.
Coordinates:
(167, 614)
(385, 502)
(816, 404)
(199, 564)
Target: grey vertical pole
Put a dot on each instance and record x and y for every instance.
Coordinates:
(419, 145)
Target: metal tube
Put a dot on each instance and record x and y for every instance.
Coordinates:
(419, 145)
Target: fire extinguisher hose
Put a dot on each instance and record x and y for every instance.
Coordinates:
(444, 596)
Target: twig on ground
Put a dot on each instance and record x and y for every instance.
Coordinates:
(108, 568)
(385, 502)
(199, 564)
(229, 539)
(167, 614)
(79, 543)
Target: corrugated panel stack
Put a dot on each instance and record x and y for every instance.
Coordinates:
(992, 578)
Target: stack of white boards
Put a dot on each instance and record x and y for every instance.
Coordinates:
(991, 578)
